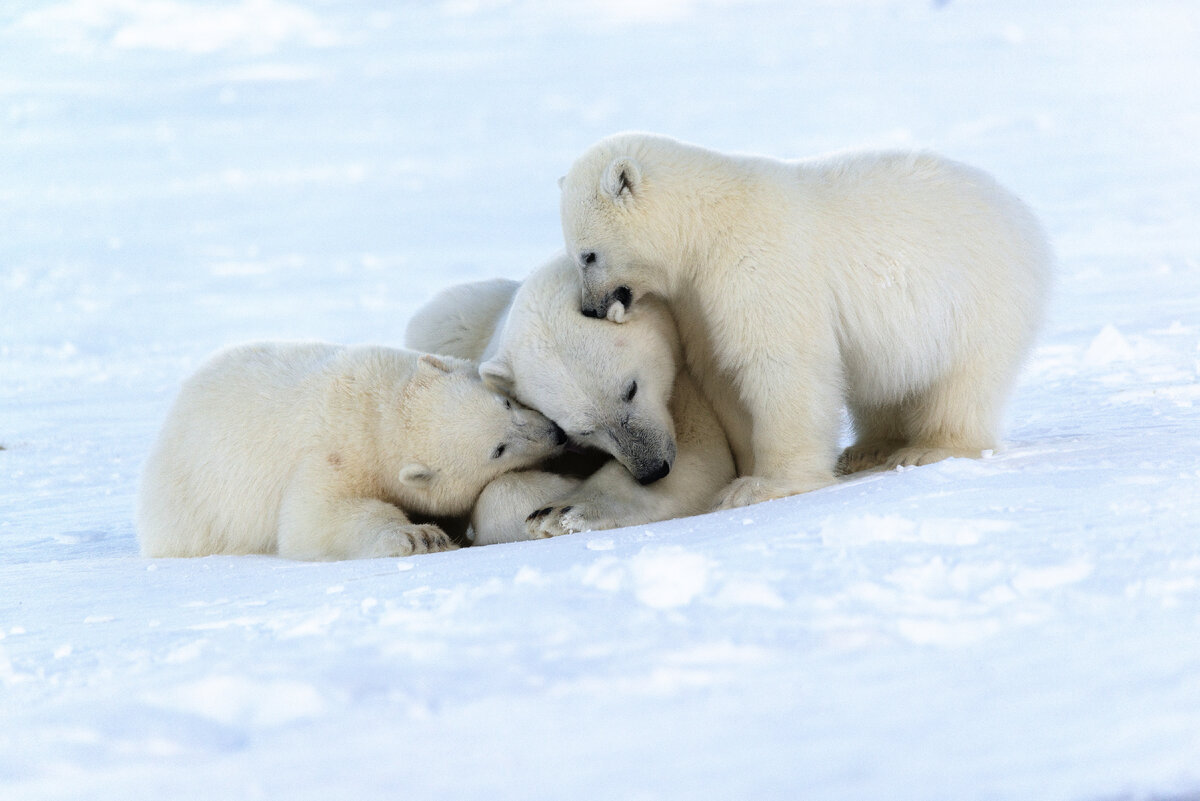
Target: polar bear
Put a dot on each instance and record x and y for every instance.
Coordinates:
(906, 286)
(619, 390)
(319, 452)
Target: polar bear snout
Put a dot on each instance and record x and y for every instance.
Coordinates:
(659, 472)
(647, 454)
(594, 304)
(538, 429)
(601, 298)
(613, 305)
(560, 436)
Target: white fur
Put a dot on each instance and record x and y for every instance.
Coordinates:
(578, 372)
(461, 320)
(315, 451)
(501, 514)
(904, 285)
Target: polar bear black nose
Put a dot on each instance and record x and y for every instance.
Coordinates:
(596, 312)
(659, 472)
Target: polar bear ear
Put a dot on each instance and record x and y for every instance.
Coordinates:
(429, 360)
(622, 179)
(562, 180)
(416, 475)
(497, 376)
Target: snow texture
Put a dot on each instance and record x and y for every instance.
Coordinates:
(179, 176)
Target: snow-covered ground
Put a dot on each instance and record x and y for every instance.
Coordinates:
(179, 176)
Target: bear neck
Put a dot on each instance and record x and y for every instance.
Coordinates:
(387, 412)
(715, 202)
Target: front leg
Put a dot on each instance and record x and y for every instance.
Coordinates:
(320, 521)
(600, 502)
(795, 410)
(503, 506)
(360, 528)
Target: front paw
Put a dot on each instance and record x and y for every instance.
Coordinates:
(554, 521)
(756, 489)
(921, 456)
(413, 539)
(866, 455)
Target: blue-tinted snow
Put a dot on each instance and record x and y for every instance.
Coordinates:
(179, 176)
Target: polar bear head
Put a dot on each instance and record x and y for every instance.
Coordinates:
(608, 386)
(451, 436)
(624, 223)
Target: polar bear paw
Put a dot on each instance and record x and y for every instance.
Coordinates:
(554, 521)
(917, 456)
(748, 490)
(413, 539)
(865, 455)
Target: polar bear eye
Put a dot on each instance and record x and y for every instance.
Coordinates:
(507, 403)
(496, 454)
(630, 391)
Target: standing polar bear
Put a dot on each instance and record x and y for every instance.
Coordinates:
(904, 285)
(621, 390)
(315, 451)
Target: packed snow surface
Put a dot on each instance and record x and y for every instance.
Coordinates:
(179, 176)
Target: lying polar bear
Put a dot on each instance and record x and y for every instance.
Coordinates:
(622, 390)
(314, 451)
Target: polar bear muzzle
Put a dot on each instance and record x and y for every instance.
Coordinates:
(660, 472)
(612, 305)
(647, 453)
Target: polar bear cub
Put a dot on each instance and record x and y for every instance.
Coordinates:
(316, 451)
(903, 285)
(621, 390)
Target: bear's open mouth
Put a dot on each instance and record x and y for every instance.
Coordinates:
(614, 306)
(622, 295)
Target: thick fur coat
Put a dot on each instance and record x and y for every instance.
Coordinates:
(903, 286)
(315, 451)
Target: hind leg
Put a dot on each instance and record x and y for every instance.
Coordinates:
(878, 431)
(956, 417)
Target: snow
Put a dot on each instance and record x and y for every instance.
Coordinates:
(178, 176)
